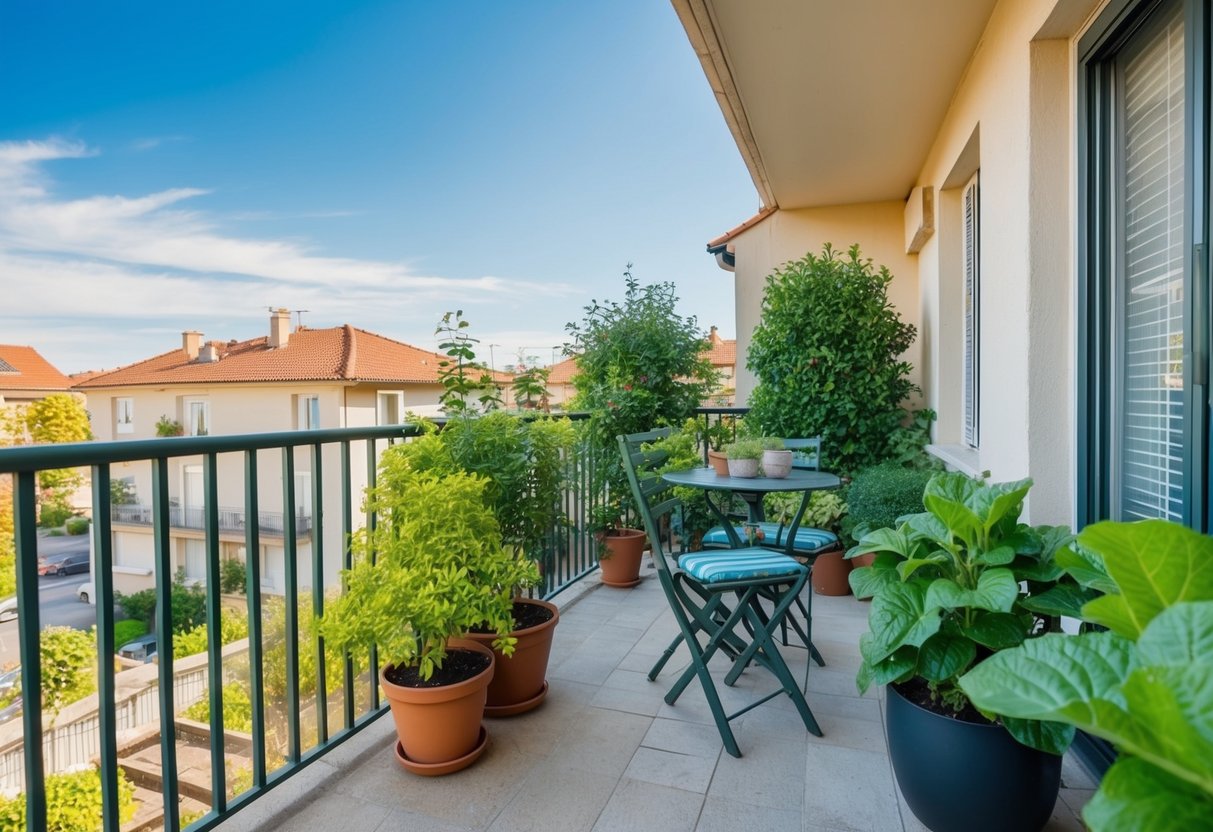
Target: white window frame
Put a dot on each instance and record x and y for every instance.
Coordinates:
(971, 307)
(191, 427)
(124, 414)
(307, 412)
(381, 400)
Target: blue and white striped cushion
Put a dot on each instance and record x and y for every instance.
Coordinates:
(808, 539)
(738, 565)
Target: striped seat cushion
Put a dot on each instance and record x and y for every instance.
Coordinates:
(808, 539)
(738, 565)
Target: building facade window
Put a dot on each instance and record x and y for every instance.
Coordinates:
(307, 412)
(390, 408)
(1144, 295)
(124, 415)
(971, 365)
(197, 413)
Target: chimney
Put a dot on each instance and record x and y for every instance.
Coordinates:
(209, 354)
(713, 337)
(190, 341)
(280, 328)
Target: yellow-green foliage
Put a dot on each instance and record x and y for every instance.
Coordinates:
(8, 557)
(440, 569)
(67, 666)
(58, 418)
(73, 803)
(233, 626)
(237, 709)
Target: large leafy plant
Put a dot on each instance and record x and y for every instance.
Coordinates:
(827, 357)
(1145, 683)
(956, 583)
(432, 568)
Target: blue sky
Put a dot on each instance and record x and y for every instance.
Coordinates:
(165, 167)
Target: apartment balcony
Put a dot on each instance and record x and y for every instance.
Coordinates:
(231, 520)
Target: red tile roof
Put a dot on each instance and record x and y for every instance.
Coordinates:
(735, 230)
(722, 353)
(562, 372)
(22, 368)
(343, 353)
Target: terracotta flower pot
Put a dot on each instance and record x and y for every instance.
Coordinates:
(620, 562)
(719, 463)
(777, 464)
(863, 560)
(520, 681)
(439, 727)
(744, 468)
(830, 573)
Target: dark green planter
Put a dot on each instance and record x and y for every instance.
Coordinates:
(960, 777)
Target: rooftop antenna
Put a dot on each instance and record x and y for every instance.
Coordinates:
(299, 319)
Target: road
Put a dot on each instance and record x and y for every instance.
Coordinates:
(58, 605)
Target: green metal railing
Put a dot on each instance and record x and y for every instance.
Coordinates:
(570, 556)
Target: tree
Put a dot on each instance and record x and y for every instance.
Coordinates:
(67, 668)
(827, 358)
(57, 418)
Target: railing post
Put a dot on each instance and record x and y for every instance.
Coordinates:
(317, 536)
(103, 596)
(252, 588)
(214, 632)
(164, 638)
(25, 523)
(290, 551)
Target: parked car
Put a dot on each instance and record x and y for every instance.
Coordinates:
(85, 591)
(64, 563)
(9, 679)
(8, 609)
(142, 649)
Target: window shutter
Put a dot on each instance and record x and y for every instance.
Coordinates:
(1151, 431)
(970, 368)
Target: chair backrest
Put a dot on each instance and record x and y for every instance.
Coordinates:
(651, 494)
(806, 453)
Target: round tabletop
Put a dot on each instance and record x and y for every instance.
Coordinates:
(797, 480)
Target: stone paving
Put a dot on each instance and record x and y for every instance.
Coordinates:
(605, 752)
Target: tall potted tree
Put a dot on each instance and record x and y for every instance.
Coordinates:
(951, 587)
(433, 568)
(640, 364)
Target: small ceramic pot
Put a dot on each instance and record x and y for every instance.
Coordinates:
(777, 464)
(719, 463)
(745, 468)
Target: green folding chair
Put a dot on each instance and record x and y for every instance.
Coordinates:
(716, 597)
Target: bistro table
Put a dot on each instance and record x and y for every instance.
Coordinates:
(752, 490)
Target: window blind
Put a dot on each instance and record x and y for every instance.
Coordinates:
(1151, 431)
(970, 361)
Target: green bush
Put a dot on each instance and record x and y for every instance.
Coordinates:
(77, 525)
(882, 493)
(67, 668)
(233, 626)
(237, 709)
(826, 356)
(126, 630)
(54, 514)
(233, 577)
(188, 605)
(73, 803)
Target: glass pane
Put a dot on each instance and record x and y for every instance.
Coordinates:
(1149, 469)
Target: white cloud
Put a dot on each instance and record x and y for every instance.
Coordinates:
(159, 257)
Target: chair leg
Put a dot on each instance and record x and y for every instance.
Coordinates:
(769, 656)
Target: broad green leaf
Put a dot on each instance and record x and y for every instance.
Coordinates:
(947, 498)
(996, 591)
(1027, 569)
(1154, 564)
(863, 679)
(1062, 599)
(1053, 539)
(1135, 796)
(893, 668)
(1048, 677)
(884, 540)
(943, 656)
(996, 630)
(1170, 712)
(908, 567)
(998, 556)
(1025, 540)
(1085, 567)
(899, 617)
(1000, 500)
(927, 526)
(866, 581)
(1181, 635)
(1049, 737)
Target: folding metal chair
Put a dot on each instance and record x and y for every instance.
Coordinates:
(712, 592)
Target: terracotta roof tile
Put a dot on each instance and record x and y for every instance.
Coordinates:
(737, 229)
(22, 368)
(562, 372)
(722, 353)
(343, 353)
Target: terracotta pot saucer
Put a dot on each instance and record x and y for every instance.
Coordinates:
(518, 707)
(624, 584)
(449, 766)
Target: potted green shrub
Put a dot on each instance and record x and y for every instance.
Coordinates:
(951, 587)
(745, 457)
(433, 568)
(1143, 683)
(878, 496)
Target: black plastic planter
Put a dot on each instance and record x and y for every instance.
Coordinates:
(960, 777)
